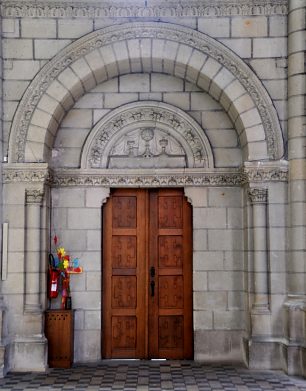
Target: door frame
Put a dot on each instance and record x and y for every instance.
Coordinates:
(190, 250)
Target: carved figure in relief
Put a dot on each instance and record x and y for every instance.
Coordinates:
(146, 148)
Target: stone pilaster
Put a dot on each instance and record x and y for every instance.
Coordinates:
(259, 198)
(297, 145)
(34, 199)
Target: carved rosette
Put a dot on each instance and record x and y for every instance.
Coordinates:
(34, 196)
(168, 32)
(258, 195)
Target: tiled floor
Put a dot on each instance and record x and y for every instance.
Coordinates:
(153, 376)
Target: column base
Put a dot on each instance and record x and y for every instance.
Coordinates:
(220, 346)
(3, 370)
(28, 354)
(267, 354)
(296, 350)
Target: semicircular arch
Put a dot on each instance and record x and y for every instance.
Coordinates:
(110, 52)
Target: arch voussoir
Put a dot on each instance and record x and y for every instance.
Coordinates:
(143, 47)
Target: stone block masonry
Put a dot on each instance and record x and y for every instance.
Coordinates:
(242, 272)
(111, 94)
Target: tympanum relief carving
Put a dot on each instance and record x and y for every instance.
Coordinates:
(147, 148)
(147, 134)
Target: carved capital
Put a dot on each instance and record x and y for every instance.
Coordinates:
(34, 196)
(257, 172)
(26, 172)
(258, 195)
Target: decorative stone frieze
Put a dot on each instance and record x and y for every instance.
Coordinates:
(162, 8)
(161, 31)
(29, 173)
(15, 173)
(266, 171)
(68, 178)
(156, 115)
(258, 195)
(34, 196)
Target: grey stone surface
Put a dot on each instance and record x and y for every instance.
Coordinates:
(238, 251)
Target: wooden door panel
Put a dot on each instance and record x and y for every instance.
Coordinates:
(124, 251)
(170, 311)
(147, 240)
(170, 212)
(170, 251)
(124, 282)
(124, 332)
(124, 211)
(171, 332)
(124, 292)
(170, 292)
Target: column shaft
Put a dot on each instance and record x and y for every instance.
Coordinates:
(33, 254)
(258, 199)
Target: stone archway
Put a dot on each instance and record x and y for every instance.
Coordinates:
(144, 47)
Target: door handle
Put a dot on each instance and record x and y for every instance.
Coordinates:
(152, 271)
(152, 288)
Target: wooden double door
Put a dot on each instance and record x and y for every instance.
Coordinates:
(147, 275)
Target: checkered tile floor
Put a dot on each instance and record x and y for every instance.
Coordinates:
(153, 376)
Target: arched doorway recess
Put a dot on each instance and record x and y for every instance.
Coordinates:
(200, 60)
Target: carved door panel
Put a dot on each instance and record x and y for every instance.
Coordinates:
(170, 308)
(147, 275)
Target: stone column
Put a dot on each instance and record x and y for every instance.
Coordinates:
(297, 145)
(34, 200)
(259, 198)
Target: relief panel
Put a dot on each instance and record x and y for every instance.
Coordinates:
(124, 291)
(171, 332)
(170, 212)
(171, 292)
(170, 251)
(124, 252)
(124, 331)
(124, 212)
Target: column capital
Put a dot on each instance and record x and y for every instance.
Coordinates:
(34, 196)
(258, 195)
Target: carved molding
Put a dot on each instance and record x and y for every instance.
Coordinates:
(149, 180)
(266, 171)
(34, 196)
(258, 195)
(127, 31)
(94, 9)
(175, 122)
(28, 173)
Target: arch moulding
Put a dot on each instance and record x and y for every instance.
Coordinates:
(143, 47)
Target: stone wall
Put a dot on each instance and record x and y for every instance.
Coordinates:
(107, 96)
(228, 325)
